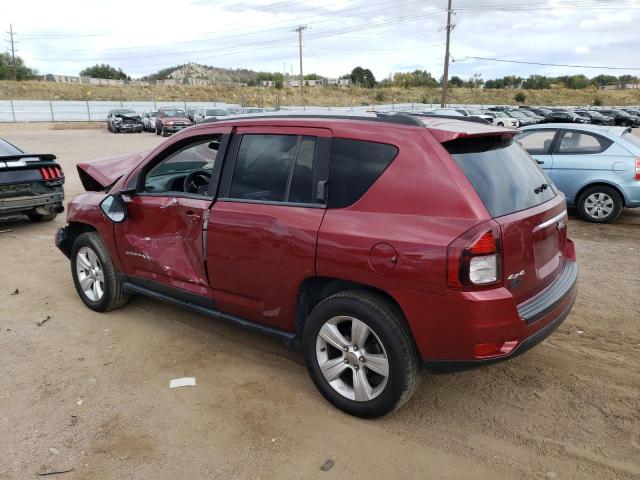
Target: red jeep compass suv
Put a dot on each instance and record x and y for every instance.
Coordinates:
(376, 244)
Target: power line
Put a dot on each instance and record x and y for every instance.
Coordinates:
(463, 59)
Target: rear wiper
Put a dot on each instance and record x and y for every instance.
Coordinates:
(541, 188)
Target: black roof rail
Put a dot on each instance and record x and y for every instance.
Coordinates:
(451, 117)
(398, 119)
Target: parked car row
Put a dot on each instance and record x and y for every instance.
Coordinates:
(152, 121)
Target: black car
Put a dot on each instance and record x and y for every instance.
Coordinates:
(543, 112)
(621, 117)
(124, 120)
(595, 117)
(634, 112)
(30, 184)
(563, 116)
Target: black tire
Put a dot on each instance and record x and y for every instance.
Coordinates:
(500, 124)
(388, 324)
(158, 131)
(586, 211)
(114, 295)
(37, 217)
(164, 132)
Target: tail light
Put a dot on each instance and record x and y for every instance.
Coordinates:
(51, 173)
(474, 258)
(637, 177)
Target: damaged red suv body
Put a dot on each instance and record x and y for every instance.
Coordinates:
(376, 243)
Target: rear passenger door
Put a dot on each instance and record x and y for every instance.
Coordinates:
(580, 158)
(538, 144)
(263, 228)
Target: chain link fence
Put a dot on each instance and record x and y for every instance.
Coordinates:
(12, 111)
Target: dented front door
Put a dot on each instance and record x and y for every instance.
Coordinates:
(161, 242)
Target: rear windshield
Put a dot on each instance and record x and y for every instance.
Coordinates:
(7, 149)
(506, 178)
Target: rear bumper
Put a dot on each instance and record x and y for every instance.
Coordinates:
(446, 366)
(452, 330)
(25, 203)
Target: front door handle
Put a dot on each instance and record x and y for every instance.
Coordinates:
(539, 162)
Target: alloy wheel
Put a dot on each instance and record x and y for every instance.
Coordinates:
(90, 274)
(599, 205)
(352, 358)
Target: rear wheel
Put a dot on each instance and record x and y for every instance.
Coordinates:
(38, 217)
(94, 275)
(360, 354)
(600, 204)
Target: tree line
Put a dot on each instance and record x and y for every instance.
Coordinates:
(359, 76)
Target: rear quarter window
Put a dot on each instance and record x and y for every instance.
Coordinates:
(505, 177)
(354, 168)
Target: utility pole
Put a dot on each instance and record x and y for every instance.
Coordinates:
(445, 79)
(300, 29)
(13, 52)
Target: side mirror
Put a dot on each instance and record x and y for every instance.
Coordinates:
(114, 208)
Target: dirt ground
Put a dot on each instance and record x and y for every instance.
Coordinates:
(90, 391)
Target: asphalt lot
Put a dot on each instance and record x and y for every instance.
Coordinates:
(90, 391)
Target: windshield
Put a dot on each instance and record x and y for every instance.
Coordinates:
(528, 113)
(7, 149)
(502, 115)
(506, 178)
(174, 113)
(217, 112)
(124, 112)
(517, 115)
(474, 112)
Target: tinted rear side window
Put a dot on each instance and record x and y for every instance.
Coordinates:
(506, 178)
(355, 166)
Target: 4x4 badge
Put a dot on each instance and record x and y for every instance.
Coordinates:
(515, 279)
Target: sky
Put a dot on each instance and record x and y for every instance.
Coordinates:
(386, 36)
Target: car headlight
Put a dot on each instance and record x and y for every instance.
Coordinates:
(169, 123)
(117, 120)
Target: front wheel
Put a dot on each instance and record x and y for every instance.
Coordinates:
(360, 354)
(600, 204)
(94, 275)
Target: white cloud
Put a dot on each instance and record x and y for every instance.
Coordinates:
(583, 49)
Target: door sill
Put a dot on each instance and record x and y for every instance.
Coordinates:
(288, 338)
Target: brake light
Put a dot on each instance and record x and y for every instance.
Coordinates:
(474, 258)
(51, 173)
(637, 177)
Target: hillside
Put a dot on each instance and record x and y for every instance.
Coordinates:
(195, 70)
(321, 96)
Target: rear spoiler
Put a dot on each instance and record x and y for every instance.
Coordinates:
(24, 160)
(25, 156)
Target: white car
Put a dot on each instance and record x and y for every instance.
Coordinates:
(501, 119)
(474, 112)
(203, 114)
